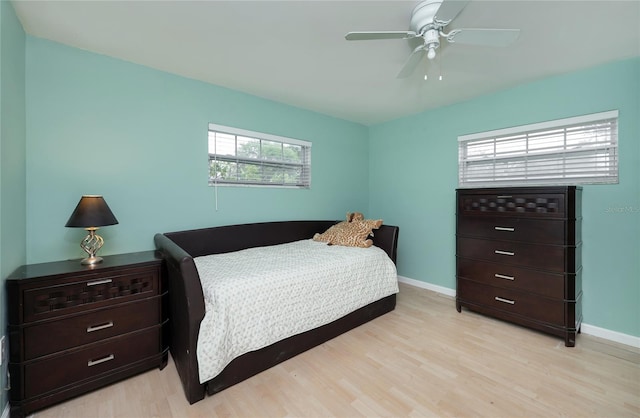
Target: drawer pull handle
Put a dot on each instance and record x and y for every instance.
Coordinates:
(93, 328)
(504, 228)
(504, 197)
(502, 276)
(97, 282)
(100, 360)
(503, 300)
(504, 252)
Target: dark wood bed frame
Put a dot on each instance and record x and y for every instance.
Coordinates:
(187, 308)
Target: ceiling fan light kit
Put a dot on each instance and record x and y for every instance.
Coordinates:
(431, 42)
(428, 20)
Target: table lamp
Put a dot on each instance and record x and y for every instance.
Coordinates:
(91, 213)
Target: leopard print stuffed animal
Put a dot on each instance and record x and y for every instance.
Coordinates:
(355, 216)
(354, 232)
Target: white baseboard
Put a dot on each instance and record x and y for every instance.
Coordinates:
(5, 411)
(615, 336)
(606, 334)
(424, 285)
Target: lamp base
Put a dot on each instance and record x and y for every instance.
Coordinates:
(91, 244)
(91, 260)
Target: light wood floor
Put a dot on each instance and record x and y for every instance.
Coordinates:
(423, 359)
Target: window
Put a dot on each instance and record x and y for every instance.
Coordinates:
(241, 157)
(579, 150)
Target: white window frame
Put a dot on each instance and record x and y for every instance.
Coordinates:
(577, 150)
(261, 161)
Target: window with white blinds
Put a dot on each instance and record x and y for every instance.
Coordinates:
(241, 157)
(579, 150)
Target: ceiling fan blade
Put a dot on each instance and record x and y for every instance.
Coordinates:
(486, 37)
(367, 36)
(448, 10)
(412, 62)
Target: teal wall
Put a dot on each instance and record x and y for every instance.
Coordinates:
(138, 136)
(12, 159)
(415, 176)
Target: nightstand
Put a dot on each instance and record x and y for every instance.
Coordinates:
(75, 328)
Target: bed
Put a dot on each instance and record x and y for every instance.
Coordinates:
(184, 250)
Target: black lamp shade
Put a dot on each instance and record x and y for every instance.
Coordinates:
(92, 211)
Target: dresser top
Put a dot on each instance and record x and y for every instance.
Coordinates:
(519, 189)
(109, 262)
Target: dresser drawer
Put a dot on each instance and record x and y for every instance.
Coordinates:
(91, 362)
(511, 277)
(512, 301)
(545, 231)
(536, 205)
(87, 328)
(539, 256)
(89, 291)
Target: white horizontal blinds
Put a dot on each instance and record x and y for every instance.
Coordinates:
(581, 150)
(252, 158)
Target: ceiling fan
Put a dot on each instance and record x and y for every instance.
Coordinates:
(428, 20)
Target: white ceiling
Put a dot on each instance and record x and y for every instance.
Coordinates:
(294, 52)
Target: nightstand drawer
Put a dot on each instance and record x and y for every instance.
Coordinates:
(87, 328)
(88, 292)
(540, 256)
(511, 277)
(80, 365)
(512, 301)
(544, 231)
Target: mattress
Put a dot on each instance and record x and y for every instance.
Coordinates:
(258, 296)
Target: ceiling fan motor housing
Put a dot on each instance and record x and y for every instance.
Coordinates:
(422, 23)
(422, 17)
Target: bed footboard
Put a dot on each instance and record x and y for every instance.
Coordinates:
(186, 307)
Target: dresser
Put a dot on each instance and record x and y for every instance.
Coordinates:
(74, 328)
(518, 256)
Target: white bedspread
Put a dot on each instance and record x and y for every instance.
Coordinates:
(256, 297)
